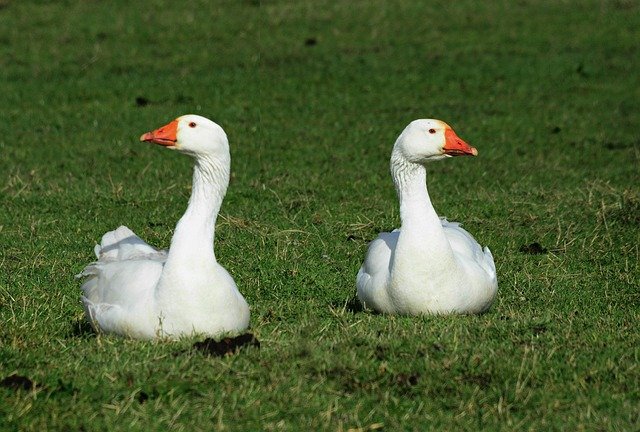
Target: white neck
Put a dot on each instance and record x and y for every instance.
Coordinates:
(192, 240)
(421, 230)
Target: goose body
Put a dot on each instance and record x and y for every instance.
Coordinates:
(137, 291)
(429, 265)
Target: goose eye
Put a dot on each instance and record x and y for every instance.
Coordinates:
(432, 131)
(192, 124)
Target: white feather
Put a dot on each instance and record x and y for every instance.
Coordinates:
(429, 265)
(137, 291)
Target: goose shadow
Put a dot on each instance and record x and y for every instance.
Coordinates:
(80, 328)
(351, 305)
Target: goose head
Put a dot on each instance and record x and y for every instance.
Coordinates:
(427, 140)
(191, 134)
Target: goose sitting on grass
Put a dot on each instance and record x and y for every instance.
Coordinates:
(429, 265)
(137, 291)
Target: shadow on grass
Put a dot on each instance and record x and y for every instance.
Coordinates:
(226, 346)
(352, 305)
(80, 328)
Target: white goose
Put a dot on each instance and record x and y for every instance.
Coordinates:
(137, 291)
(429, 265)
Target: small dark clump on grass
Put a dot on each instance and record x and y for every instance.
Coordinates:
(142, 397)
(18, 382)
(142, 101)
(534, 248)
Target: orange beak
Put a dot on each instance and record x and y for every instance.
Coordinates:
(455, 146)
(165, 136)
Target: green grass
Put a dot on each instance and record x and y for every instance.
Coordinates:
(549, 93)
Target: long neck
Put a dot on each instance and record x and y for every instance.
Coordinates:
(192, 240)
(421, 231)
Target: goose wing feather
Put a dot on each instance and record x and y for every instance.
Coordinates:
(465, 246)
(120, 282)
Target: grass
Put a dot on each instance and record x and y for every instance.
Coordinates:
(312, 95)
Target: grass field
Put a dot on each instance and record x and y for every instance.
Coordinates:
(312, 95)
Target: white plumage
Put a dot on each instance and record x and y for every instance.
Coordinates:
(137, 291)
(429, 265)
